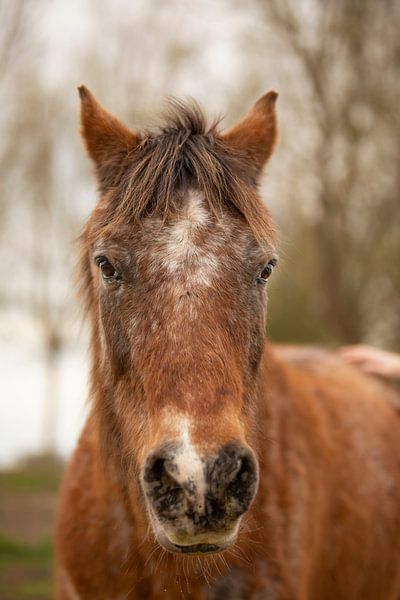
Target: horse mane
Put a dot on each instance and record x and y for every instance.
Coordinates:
(186, 152)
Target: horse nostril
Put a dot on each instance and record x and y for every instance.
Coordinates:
(155, 472)
(241, 491)
(233, 480)
(160, 486)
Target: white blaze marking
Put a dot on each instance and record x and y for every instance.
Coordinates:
(190, 466)
(181, 251)
(196, 213)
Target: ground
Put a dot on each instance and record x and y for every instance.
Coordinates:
(28, 504)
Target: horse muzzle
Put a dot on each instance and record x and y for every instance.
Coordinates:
(196, 503)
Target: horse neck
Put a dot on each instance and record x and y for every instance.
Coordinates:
(274, 406)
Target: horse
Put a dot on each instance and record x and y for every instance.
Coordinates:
(213, 464)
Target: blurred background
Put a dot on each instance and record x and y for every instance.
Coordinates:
(333, 186)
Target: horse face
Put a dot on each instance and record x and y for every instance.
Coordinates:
(179, 324)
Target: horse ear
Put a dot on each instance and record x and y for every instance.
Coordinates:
(107, 140)
(256, 134)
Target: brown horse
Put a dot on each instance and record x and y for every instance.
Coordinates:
(212, 465)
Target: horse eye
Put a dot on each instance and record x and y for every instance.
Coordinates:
(107, 269)
(266, 272)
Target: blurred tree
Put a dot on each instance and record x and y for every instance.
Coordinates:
(37, 225)
(14, 18)
(39, 235)
(346, 223)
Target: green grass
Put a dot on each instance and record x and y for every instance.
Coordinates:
(26, 571)
(23, 481)
(38, 473)
(12, 551)
(26, 565)
(39, 590)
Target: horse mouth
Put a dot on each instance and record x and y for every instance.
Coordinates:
(203, 546)
(198, 549)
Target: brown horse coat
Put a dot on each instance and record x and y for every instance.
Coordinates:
(324, 523)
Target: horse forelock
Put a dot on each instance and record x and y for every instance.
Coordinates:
(185, 152)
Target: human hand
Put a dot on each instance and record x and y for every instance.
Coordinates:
(373, 360)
